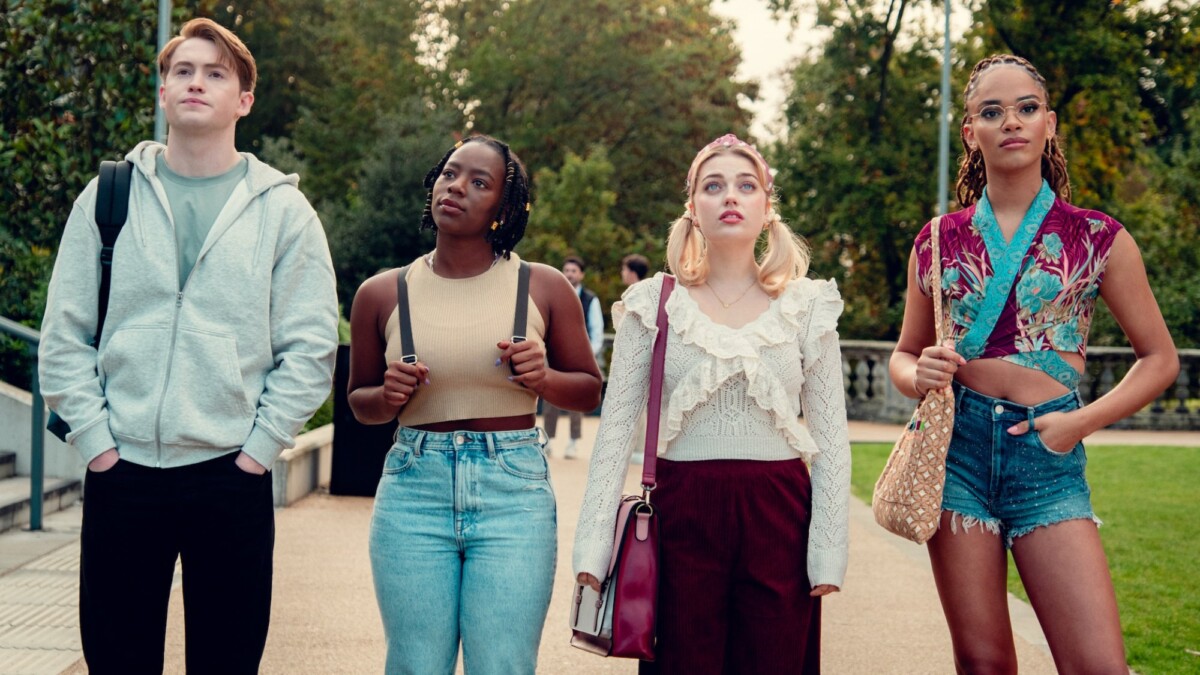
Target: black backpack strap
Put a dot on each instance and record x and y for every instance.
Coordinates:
(404, 318)
(521, 315)
(112, 208)
(409, 354)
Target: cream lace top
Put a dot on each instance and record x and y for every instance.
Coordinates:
(729, 393)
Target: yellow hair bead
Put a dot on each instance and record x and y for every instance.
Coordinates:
(495, 224)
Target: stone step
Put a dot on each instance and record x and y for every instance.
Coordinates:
(58, 493)
(8, 464)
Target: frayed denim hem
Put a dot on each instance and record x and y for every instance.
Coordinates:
(990, 524)
(1013, 535)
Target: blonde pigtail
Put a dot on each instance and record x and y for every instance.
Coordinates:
(785, 258)
(686, 257)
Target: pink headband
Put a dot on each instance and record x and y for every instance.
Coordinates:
(731, 141)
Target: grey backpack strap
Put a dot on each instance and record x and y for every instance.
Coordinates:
(521, 315)
(409, 353)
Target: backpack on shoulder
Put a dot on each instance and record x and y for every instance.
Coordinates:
(112, 208)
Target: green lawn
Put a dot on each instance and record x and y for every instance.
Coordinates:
(1149, 500)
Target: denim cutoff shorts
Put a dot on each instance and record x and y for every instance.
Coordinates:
(1011, 485)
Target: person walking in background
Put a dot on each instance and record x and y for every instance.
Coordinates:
(1021, 270)
(463, 536)
(634, 268)
(573, 269)
(218, 345)
(753, 506)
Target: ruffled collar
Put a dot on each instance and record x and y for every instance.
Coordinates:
(778, 324)
(807, 305)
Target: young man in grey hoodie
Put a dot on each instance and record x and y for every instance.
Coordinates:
(217, 347)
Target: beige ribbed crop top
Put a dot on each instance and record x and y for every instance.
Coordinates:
(456, 324)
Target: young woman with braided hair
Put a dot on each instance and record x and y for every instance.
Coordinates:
(754, 506)
(1021, 270)
(463, 537)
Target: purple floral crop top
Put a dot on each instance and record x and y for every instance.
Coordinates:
(1051, 303)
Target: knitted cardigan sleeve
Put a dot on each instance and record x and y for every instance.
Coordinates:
(624, 401)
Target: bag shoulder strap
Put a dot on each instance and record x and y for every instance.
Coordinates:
(654, 402)
(404, 317)
(112, 208)
(940, 319)
(521, 313)
(408, 353)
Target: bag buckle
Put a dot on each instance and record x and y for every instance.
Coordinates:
(646, 490)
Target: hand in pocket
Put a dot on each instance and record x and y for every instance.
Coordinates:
(104, 461)
(246, 463)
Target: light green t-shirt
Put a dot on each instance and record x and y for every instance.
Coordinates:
(195, 205)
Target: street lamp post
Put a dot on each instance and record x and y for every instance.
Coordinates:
(944, 129)
(164, 33)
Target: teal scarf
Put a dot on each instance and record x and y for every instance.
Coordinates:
(1006, 267)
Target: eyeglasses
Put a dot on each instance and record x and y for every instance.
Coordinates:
(994, 115)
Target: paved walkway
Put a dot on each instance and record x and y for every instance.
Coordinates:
(324, 617)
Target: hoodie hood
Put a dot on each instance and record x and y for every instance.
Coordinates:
(260, 177)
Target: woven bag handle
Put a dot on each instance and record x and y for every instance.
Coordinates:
(940, 327)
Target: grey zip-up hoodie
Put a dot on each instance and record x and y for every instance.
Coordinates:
(238, 358)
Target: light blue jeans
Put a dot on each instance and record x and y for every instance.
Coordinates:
(464, 545)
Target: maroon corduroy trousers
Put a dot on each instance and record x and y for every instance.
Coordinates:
(734, 595)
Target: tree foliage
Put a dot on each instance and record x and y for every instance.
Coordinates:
(1093, 68)
(368, 71)
(380, 227)
(574, 216)
(77, 87)
(649, 82)
(857, 171)
(858, 165)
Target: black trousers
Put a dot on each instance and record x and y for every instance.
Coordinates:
(136, 522)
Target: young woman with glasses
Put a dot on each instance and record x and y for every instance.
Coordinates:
(1021, 271)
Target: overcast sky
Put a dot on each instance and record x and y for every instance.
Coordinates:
(767, 49)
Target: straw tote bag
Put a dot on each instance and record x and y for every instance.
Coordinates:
(908, 495)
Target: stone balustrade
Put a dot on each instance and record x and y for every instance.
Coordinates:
(871, 396)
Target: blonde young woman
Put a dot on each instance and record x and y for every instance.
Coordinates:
(1022, 268)
(754, 505)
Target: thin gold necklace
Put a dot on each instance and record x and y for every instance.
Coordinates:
(429, 260)
(727, 305)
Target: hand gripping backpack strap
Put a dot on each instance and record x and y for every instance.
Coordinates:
(404, 317)
(654, 402)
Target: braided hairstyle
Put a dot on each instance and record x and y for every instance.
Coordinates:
(513, 213)
(972, 176)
